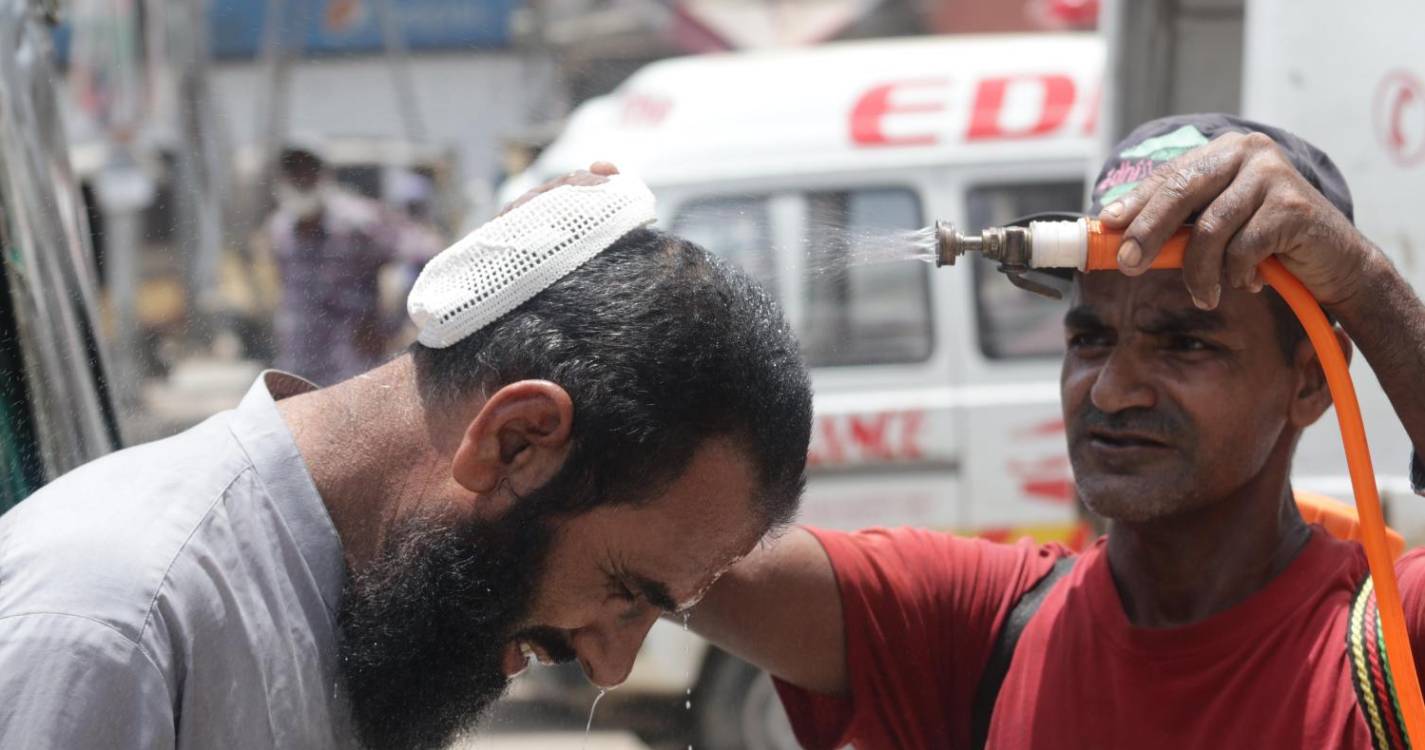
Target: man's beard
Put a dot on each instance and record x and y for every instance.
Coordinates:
(424, 626)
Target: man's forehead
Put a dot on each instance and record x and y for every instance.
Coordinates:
(1158, 298)
(693, 581)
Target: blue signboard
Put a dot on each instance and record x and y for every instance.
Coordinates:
(327, 27)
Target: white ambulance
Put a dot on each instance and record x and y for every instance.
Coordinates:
(937, 397)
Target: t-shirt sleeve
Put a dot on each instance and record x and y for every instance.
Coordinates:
(74, 683)
(921, 610)
(1410, 577)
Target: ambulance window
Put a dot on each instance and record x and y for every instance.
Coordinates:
(847, 311)
(863, 313)
(736, 228)
(1014, 323)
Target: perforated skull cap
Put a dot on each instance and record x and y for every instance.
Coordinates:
(499, 266)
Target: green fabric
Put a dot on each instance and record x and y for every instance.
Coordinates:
(13, 487)
(1168, 146)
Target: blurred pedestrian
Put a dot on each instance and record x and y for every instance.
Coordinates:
(330, 245)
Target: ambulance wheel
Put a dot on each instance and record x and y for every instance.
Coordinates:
(737, 708)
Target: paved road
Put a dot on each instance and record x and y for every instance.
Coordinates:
(554, 741)
(528, 722)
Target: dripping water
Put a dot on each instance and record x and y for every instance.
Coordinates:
(688, 699)
(590, 726)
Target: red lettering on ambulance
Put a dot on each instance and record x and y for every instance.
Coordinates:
(868, 432)
(986, 114)
(1047, 428)
(645, 110)
(1053, 490)
(884, 437)
(1399, 104)
(1049, 478)
(1095, 101)
(828, 449)
(912, 423)
(869, 113)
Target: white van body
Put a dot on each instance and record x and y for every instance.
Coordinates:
(937, 396)
(1351, 79)
(740, 148)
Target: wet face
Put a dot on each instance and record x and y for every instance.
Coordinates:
(434, 629)
(1168, 407)
(614, 571)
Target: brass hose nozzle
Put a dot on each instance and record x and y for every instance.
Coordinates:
(1010, 246)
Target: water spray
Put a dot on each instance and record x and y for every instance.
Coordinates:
(1085, 245)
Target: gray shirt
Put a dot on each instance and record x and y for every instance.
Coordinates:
(180, 593)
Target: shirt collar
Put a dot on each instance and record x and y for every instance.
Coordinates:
(267, 441)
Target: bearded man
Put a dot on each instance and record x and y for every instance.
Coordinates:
(599, 419)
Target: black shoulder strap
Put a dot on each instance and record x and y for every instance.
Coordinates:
(998, 664)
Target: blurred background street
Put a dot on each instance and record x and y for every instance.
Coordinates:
(205, 189)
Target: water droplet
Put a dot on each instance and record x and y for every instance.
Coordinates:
(688, 702)
(589, 727)
(864, 246)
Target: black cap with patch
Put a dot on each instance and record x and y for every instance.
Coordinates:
(1159, 141)
(1156, 142)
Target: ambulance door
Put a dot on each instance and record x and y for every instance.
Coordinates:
(883, 447)
(1353, 84)
(1017, 476)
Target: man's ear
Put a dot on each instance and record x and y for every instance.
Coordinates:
(520, 435)
(1313, 397)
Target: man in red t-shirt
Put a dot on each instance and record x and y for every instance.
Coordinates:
(1211, 615)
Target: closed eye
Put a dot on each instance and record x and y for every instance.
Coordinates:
(1089, 339)
(1182, 343)
(619, 589)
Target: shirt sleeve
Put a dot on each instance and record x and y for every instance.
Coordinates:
(921, 611)
(1410, 578)
(74, 683)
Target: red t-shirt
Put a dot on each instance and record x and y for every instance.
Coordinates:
(922, 610)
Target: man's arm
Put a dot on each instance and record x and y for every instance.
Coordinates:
(878, 636)
(1387, 323)
(74, 683)
(1252, 203)
(780, 609)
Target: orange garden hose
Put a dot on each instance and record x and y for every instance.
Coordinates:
(1103, 255)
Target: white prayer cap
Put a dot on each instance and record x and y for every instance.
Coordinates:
(499, 266)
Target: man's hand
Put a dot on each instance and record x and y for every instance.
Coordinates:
(598, 172)
(1253, 203)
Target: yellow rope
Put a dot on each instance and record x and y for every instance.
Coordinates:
(1362, 673)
